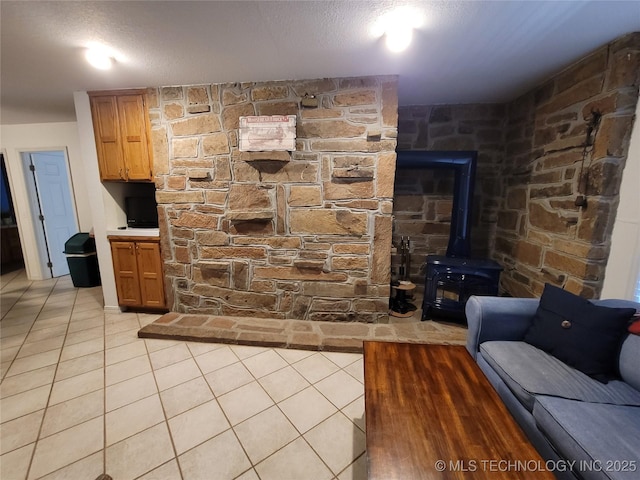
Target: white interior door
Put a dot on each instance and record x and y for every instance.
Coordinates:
(56, 205)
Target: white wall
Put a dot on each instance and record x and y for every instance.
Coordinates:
(15, 139)
(101, 202)
(623, 266)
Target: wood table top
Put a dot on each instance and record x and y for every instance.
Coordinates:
(432, 414)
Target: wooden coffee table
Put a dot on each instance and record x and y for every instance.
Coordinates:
(432, 414)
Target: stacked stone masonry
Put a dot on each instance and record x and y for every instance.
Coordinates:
(533, 167)
(423, 197)
(290, 235)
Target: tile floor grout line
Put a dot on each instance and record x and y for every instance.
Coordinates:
(277, 405)
(63, 467)
(215, 397)
(122, 406)
(27, 333)
(232, 427)
(339, 410)
(318, 453)
(53, 381)
(159, 466)
(164, 413)
(354, 461)
(30, 283)
(256, 380)
(104, 393)
(24, 291)
(301, 435)
(11, 277)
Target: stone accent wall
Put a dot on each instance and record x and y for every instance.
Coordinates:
(542, 236)
(302, 235)
(529, 176)
(423, 197)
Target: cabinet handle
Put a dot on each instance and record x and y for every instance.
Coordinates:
(120, 173)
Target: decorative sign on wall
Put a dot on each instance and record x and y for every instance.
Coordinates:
(267, 133)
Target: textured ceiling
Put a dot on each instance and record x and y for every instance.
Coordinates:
(471, 51)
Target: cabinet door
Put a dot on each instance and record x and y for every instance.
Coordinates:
(150, 274)
(133, 129)
(104, 111)
(126, 272)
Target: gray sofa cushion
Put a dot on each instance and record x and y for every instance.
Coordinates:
(629, 360)
(576, 429)
(529, 371)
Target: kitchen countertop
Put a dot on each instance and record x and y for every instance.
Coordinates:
(134, 232)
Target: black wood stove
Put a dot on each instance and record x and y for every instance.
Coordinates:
(451, 281)
(452, 278)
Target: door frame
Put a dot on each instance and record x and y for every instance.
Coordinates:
(40, 268)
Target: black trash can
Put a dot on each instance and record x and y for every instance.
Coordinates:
(82, 259)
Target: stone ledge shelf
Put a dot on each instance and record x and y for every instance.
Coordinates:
(309, 264)
(250, 216)
(354, 172)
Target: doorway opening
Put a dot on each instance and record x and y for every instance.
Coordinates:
(52, 206)
(10, 251)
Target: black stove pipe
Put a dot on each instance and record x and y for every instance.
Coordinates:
(464, 166)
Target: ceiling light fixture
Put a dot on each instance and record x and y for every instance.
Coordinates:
(99, 56)
(398, 37)
(397, 26)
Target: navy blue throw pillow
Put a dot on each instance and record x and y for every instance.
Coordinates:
(579, 333)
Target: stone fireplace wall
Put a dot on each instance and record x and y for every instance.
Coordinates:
(303, 234)
(542, 236)
(528, 177)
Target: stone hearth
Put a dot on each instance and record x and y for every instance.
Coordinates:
(298, 334)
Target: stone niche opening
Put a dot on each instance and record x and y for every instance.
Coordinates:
(452, 274)
(422, 213)
(285, 235)
(432, 207)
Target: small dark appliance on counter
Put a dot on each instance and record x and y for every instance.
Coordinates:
(142, 212)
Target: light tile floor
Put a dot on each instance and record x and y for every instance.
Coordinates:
(82, 395)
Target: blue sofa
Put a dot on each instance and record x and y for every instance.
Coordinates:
(568, 416)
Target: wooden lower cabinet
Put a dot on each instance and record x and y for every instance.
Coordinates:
(138, 270)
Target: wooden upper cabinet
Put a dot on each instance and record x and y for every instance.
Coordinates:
(133, 128)
(106, 128)
(122, 133)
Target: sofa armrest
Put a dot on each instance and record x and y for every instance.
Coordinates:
(497, 318)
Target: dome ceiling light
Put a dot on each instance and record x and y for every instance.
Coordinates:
(100, 57)
(397, 27)
(398, 37)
